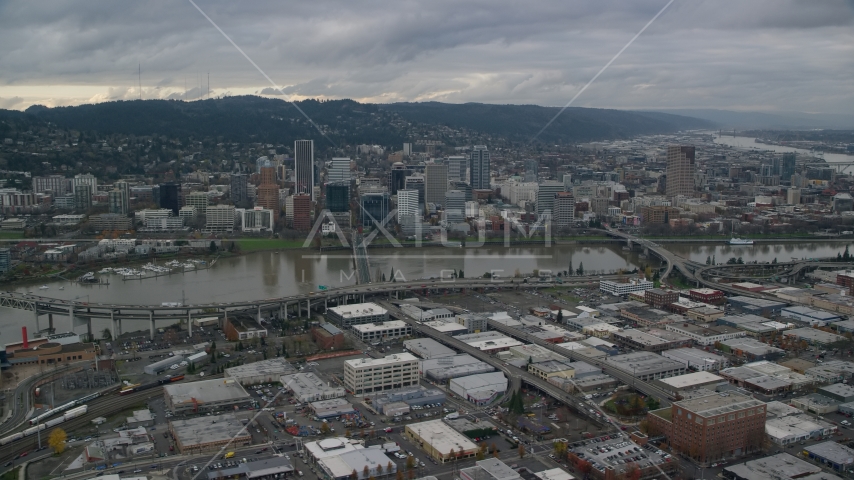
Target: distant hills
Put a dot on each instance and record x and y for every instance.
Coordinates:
(768, 121)
(252, 118)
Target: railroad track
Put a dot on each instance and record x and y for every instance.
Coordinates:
(99, 407)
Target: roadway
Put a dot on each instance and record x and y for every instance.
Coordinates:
(22, 401)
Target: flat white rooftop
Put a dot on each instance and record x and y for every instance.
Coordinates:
(380, 327)
(692, 379)
(379, 362)
(359, 310)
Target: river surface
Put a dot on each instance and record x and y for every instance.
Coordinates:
(749, 143)
(267, 274)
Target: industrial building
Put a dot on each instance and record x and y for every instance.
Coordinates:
(205, 395)
(327, 336)
(427, 348)
(641, 340)
(411, 396)
(439, 441)
(550, 369)
(261, 468)
(697, 359)
(378, 332)
(372, 460)
(812, 317)
(751, 349)
(781, 466)
(159, 367)
(479, 389)
(814, 336)
(835, 455)
(646, 366)
(489, 469)
(199, 434)
(704, 336)
(243, 327)
(689, 381)
(264, 371)
(631, 285)
(445, 368)
(490, 342)
(308, 387)
(357, 314)
(367, 375)
(334, 407)
(756, 306)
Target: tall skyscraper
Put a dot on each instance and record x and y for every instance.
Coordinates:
(267, 193)
(435, 182)
(239, 188)
(455, 206)
(416, 182)
(58, 185)
(82, 197)
(168, 197)
(375, 207)
(564, 209)
(546, 197)
(338, 170)
(397, 177)
(532, 170)
(457, 168)
(680, 170)
(784, 166)
(338, 197)
(117, 204)
(304, 178)
(479, 168)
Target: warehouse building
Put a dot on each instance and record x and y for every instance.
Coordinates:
(203, 434)
(161, 366)
(264, 371)
(689, 381)
(439, 440)
(479, 389)
(756, 306)
(243, 327)
(646, 365)
(341, 467)
(812, 317)
(641, 340)
(839, 391)
(443, 369)
(205, 395)
(308, 387)
(837, 456)
(261, 468)
(751, 349)
(550, 369)
(697, 359)
(447, 327)
(781, 466)
(411, 396)
(327, 336)
(357, 314)
(374, 333)
(705, 336)
(490, 342)
(489, 469)
(331, 408)
(814, 336)
(427, 348)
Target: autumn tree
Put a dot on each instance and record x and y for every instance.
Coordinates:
(389, 467)
(399, 475)
(324, 428)
(494, 449)
(366, 472)
(410, 461)
(521, 451)
(379, 469)
(56, 440)
(354, 475)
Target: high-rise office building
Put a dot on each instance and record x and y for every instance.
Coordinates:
(407, 203)
(532, 170)
(338, 196)
(58, 185)
(374, 207)
(479, 168)
(457, 168)
(546, 197)
(784, 166)
(397, 177)
(85, 179)
(455, 206)
(168, 197)
(416, 182)
(463, 187)
(301, 212)
(435, 182)
(338, 170)
(267, 193)
(304, 177)
(82, 197)
(680, 170)
(563, 214)
(116, 200)
(239, 188)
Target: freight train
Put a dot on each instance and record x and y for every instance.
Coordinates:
(140, 387)
(62, 408)
(73, 413)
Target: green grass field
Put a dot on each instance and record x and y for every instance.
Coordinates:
(11, 235)
(257, 244)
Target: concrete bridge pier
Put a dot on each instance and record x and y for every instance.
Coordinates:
(259, 315)
(36, 312)
(151, 323)
(113, 324)
(325, 303)
(282, 309)
(49, 321)
(344, 299)
(224, 317)
(89, 325)
(307, 308)
(189, 324)
(71, 318)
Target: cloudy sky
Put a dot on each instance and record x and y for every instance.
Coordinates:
(776, 55)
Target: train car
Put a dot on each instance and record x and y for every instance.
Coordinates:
(79, 411)
(54, 422)
(129, 389)
(82, 400)
(51, 412)
(147, 386)
(176, 378)
(33, 430)
(11, 438)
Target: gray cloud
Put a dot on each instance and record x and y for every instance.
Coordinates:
(763, 54)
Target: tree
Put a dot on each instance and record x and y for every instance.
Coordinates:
(366, 472)
(569, 272)
(56, 440)
(324, 428)
(580, 270)
(379, 469)
(521, 451)
(560, 449)
(461, 274)
(560, 315)
(709, 260)
(354, 475)
(410, 460)
(107, 334)
(213, 246)
(494, 449)
(846, 256)
(399, 475)
(389, 467)
(775, 260)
